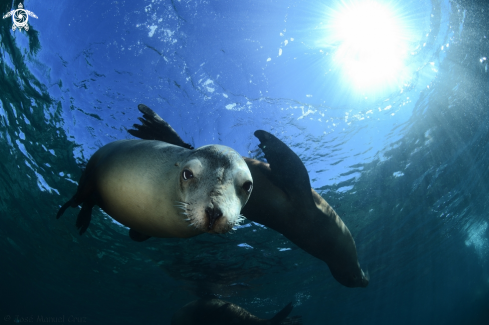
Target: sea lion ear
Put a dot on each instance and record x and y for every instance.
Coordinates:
(288, 171)
(155, 128)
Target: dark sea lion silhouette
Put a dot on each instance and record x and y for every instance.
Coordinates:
(283, 200)
(212, 311)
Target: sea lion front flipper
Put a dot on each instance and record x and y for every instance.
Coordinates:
(155, 128)
(288, 171)
(137, 236)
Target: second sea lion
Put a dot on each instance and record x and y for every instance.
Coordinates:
(220, 312)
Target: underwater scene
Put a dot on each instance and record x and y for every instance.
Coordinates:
(198, 162)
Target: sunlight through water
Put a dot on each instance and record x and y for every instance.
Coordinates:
(370, 43)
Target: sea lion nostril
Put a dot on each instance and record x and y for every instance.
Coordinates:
(213, 214)
(248, 186)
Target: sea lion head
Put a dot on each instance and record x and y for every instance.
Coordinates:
(215, 184)
(351, 277)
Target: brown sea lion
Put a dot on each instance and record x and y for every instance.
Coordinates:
(219, 312)
(162, 190)
(283, 200)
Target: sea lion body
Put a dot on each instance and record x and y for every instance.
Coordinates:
(312, 225)
(162, 190)
(283, 200)
(219, 312)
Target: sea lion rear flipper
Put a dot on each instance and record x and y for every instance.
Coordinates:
(64, 207)
(155, 128)
(137, 236)
(85, 215)
(87, 199)
(288, 171)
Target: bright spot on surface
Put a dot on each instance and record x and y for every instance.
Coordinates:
(370, 43)
(152, 30)
(245, 245)
(398, 174)
(476, 237)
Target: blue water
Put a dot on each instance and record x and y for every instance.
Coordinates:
(405, 165)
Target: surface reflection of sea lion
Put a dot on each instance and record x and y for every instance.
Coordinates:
(283, 200)
(219, 312)
(162, 190)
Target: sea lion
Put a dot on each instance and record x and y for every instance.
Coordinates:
(218, 312)
(284, 201)
(162, 190)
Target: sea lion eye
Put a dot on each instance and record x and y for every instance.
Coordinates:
(247, 186)
(187, 174)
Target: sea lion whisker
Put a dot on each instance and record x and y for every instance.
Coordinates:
(238, 221)
(180, 205)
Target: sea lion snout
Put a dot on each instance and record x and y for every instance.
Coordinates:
(352, 278)
(362, 280)
(213, 213)
(365, 279)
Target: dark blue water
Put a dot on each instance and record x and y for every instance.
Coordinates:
(404, 162)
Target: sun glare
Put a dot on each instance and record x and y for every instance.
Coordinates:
(369, 43)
